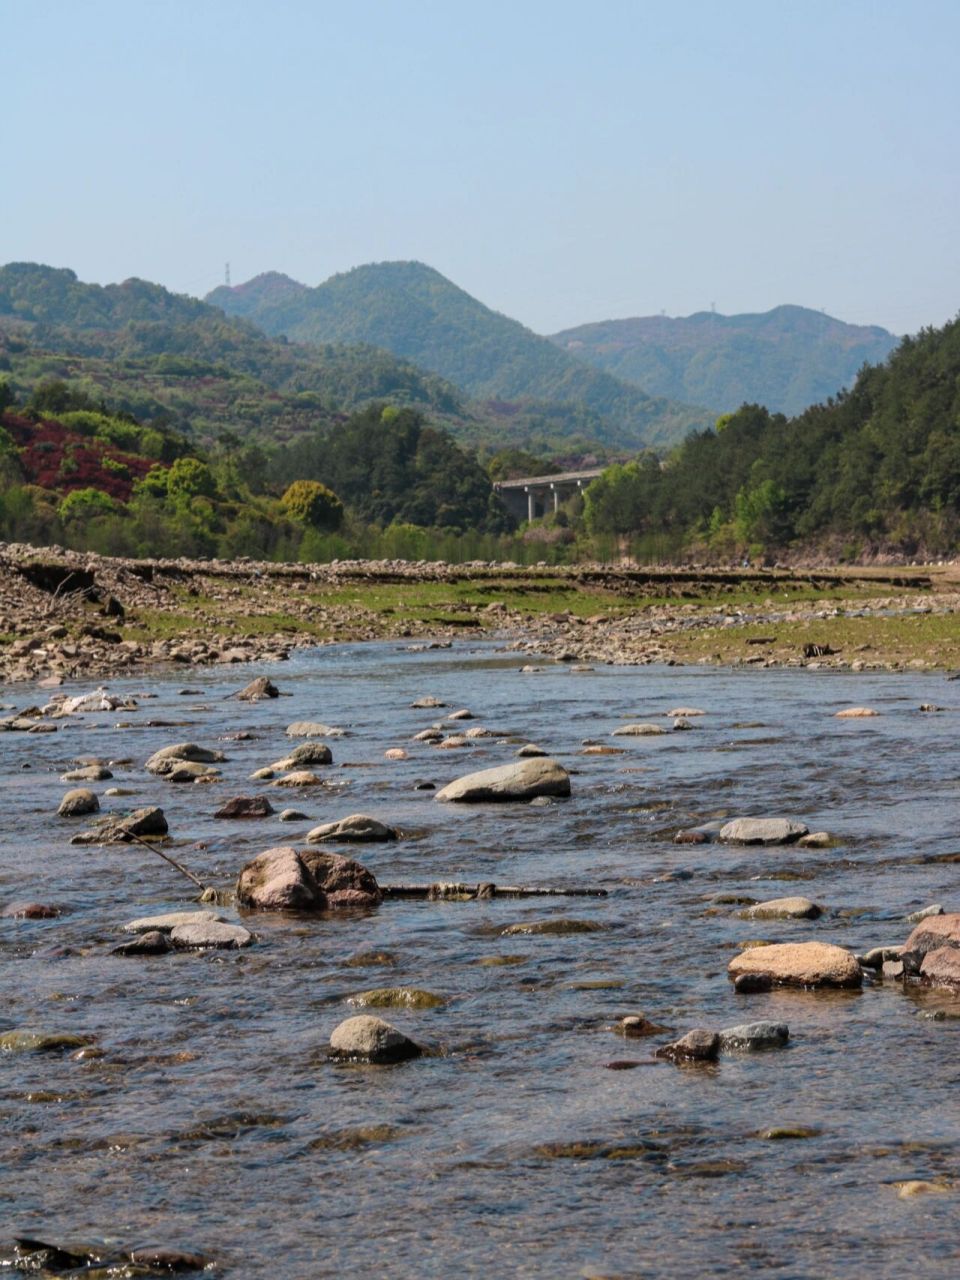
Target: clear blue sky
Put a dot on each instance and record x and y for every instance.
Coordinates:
(562, 161)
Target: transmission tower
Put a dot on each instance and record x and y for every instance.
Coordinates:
(226, 275)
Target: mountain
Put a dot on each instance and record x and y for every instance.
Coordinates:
(786, 359)
(417, 314)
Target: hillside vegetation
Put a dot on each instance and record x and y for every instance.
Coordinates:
(787, 358)
(417, 314)
(876, 467)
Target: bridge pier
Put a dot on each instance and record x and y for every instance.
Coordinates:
(537, 491)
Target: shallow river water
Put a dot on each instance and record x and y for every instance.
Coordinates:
(214, 1121)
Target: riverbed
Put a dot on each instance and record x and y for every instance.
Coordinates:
(214, 1120)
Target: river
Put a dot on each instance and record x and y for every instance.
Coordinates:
(214, 1121)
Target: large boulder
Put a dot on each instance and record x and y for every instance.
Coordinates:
(368, 1039)
(278, 880)
(358, 826)
(283, 879)
(344, 883)
(762, 831)
(182, 751)
(799, 964)
(521, 781)
(933, 950)
(78, 802)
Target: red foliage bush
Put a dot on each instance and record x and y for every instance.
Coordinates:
(44, 447)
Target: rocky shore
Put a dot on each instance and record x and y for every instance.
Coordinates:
(66, 614)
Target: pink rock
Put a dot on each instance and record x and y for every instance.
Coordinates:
(30, 911)
(337, 875)
(278, 880)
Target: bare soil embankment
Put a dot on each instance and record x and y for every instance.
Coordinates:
(70, 614)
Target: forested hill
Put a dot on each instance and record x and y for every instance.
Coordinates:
(786, 359)
(153, 354)
(877, 467)
(416, 313)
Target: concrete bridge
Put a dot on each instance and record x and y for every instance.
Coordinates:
(530, 497)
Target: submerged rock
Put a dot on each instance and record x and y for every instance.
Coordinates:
(77, 803)
(800, 964)
(356, 827)
(521, 781)
(30, 911)
(752, 1036)
(397, 998)
(299, 778)
(558, 928)
(762, 831)
(313, 729)
(783, 909)
(367, 1039)
(856, 713)
(27, 1040)
(163, 760)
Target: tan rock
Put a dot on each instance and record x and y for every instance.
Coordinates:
(783, 909)
(800, 964)
(856, 713)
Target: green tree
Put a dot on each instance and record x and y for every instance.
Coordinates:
(313, 504)
(190, 478)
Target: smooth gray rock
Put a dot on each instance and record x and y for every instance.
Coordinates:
(520, 781)
(368, 1039)
(89, 773)
(752, 1036)
(638, 731)
(916, 916)
(313, 729)
(795, 908)
(762, 831)
(170, 920)
(358, 826)
(210, 933)
(183, 751)
(151, 943)
(699, 1045)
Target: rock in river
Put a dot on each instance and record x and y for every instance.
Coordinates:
(558, 928)
(246, 807)
(637, 731)
(520, 781)
(170, 920)
(299, 778)
(698, 1045)
(163, 760)
(368, 1039)
(933, 950)
(25, 1040)
(257, 689)
(78, 802)
(762, 831)
(282, 879)
(397, 998)
(751, 1036)
(308, 753)
(799, 964)
(313, 729)
(89, 773)
(358, 826)
(783, 909)
(210, 933)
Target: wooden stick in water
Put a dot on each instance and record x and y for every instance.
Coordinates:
(167, 858)
(443, 890)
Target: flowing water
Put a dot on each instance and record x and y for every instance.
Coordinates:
(213, 1120)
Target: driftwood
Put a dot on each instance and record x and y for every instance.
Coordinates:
(184, 871)
(454, 892)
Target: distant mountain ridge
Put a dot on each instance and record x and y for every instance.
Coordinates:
(413, 311)
(786, 359)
